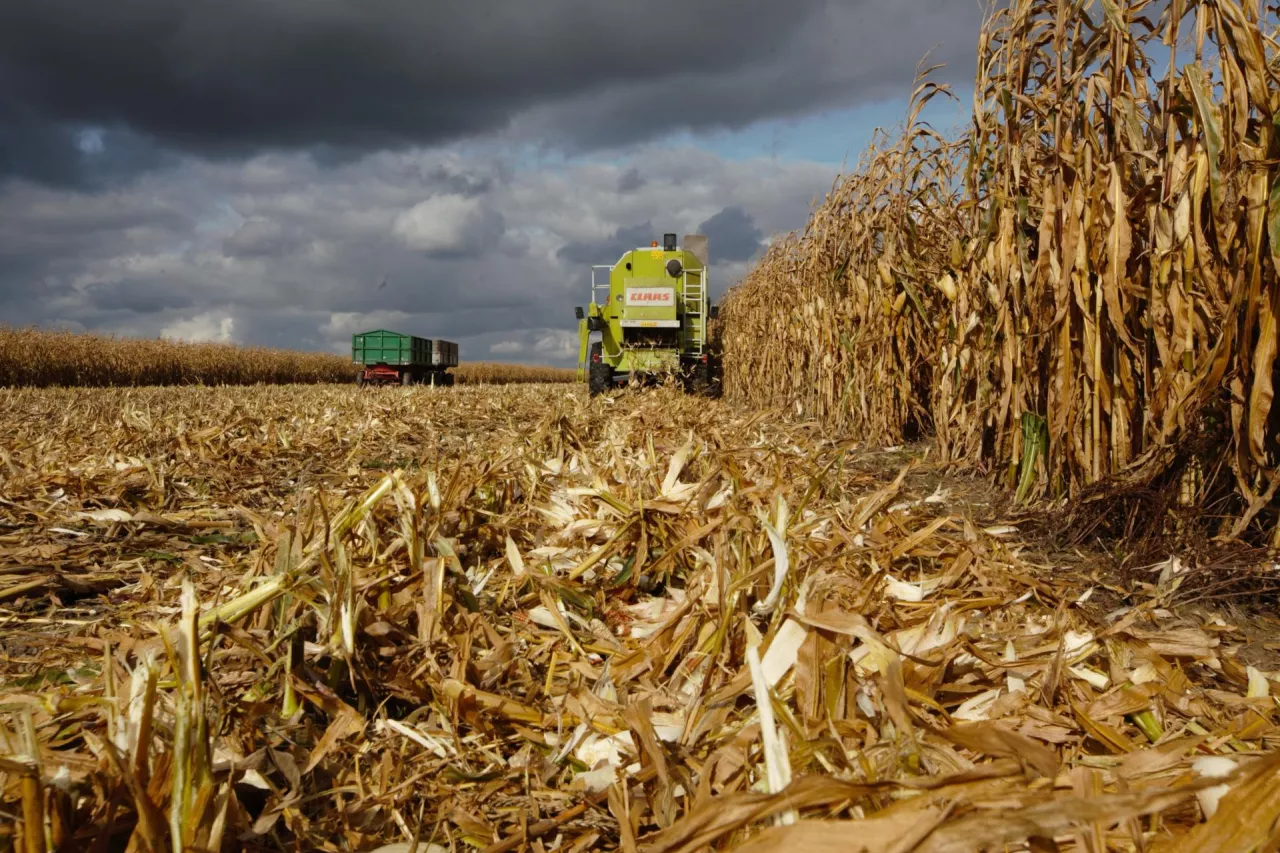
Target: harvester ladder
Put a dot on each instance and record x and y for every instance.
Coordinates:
(695, 303)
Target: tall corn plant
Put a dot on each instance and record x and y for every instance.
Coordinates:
(841, 317)
(1100, 295)
(1122, 272)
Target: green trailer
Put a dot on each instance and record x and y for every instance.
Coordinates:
(386, 357)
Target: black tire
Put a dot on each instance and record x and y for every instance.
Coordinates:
(702, 378)
(448, 380)
(600, 379)
(360, 379)
(599, 374)
(406, 377)
(715, 378)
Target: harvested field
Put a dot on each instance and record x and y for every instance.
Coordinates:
(502, 619)
(35, 358)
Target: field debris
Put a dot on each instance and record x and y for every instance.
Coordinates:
(504, 619)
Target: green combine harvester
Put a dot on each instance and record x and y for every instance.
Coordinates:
(651, 309)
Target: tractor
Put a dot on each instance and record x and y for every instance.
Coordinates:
(651, 309)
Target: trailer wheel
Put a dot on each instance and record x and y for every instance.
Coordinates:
(359, 378)
(406, 377)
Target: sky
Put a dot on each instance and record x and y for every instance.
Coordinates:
(289, 172)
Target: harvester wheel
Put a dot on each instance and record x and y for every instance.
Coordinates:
(714, 377)
(600, 379)
(698, 378)
(599, 373)
(703, 378)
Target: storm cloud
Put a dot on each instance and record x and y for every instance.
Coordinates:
(731, 236)
(280, 251)
(288, 172)
(608, 249)
(230, 78)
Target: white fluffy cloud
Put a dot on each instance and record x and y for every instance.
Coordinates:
(208, 326)
(556, 344)
(442, 223)
(346, 323)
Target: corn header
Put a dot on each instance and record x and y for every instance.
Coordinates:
(651, 310)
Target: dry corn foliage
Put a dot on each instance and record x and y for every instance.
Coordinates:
(845, 343)
(501, 373)
(39, 358)
(511, 618)
(1079, 290)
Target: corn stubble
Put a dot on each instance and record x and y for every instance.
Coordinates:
(35, 358)
(513, 618)
(1080, 289)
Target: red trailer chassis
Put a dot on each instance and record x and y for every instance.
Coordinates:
(385, 374)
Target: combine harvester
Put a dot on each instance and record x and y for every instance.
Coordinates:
(652, 320)
(389, 357)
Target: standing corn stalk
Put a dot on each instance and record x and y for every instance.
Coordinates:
(1106, 297)
(841, 318)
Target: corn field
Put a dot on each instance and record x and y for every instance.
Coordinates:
(501, 373)
(1077, 292)
(40, 358)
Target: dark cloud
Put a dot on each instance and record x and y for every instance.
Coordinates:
(141, 296)
(839, 54)
(48, 239)
(260, 237)
(607, 251)
(66, 154)
(284, 330)
(732, 235)
(236, 75)
(37, 148)
(631, 181)
(459, 182)
(227, 78)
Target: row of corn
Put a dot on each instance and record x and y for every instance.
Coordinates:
(1079, 288)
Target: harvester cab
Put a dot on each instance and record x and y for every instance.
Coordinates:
(650, 310)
